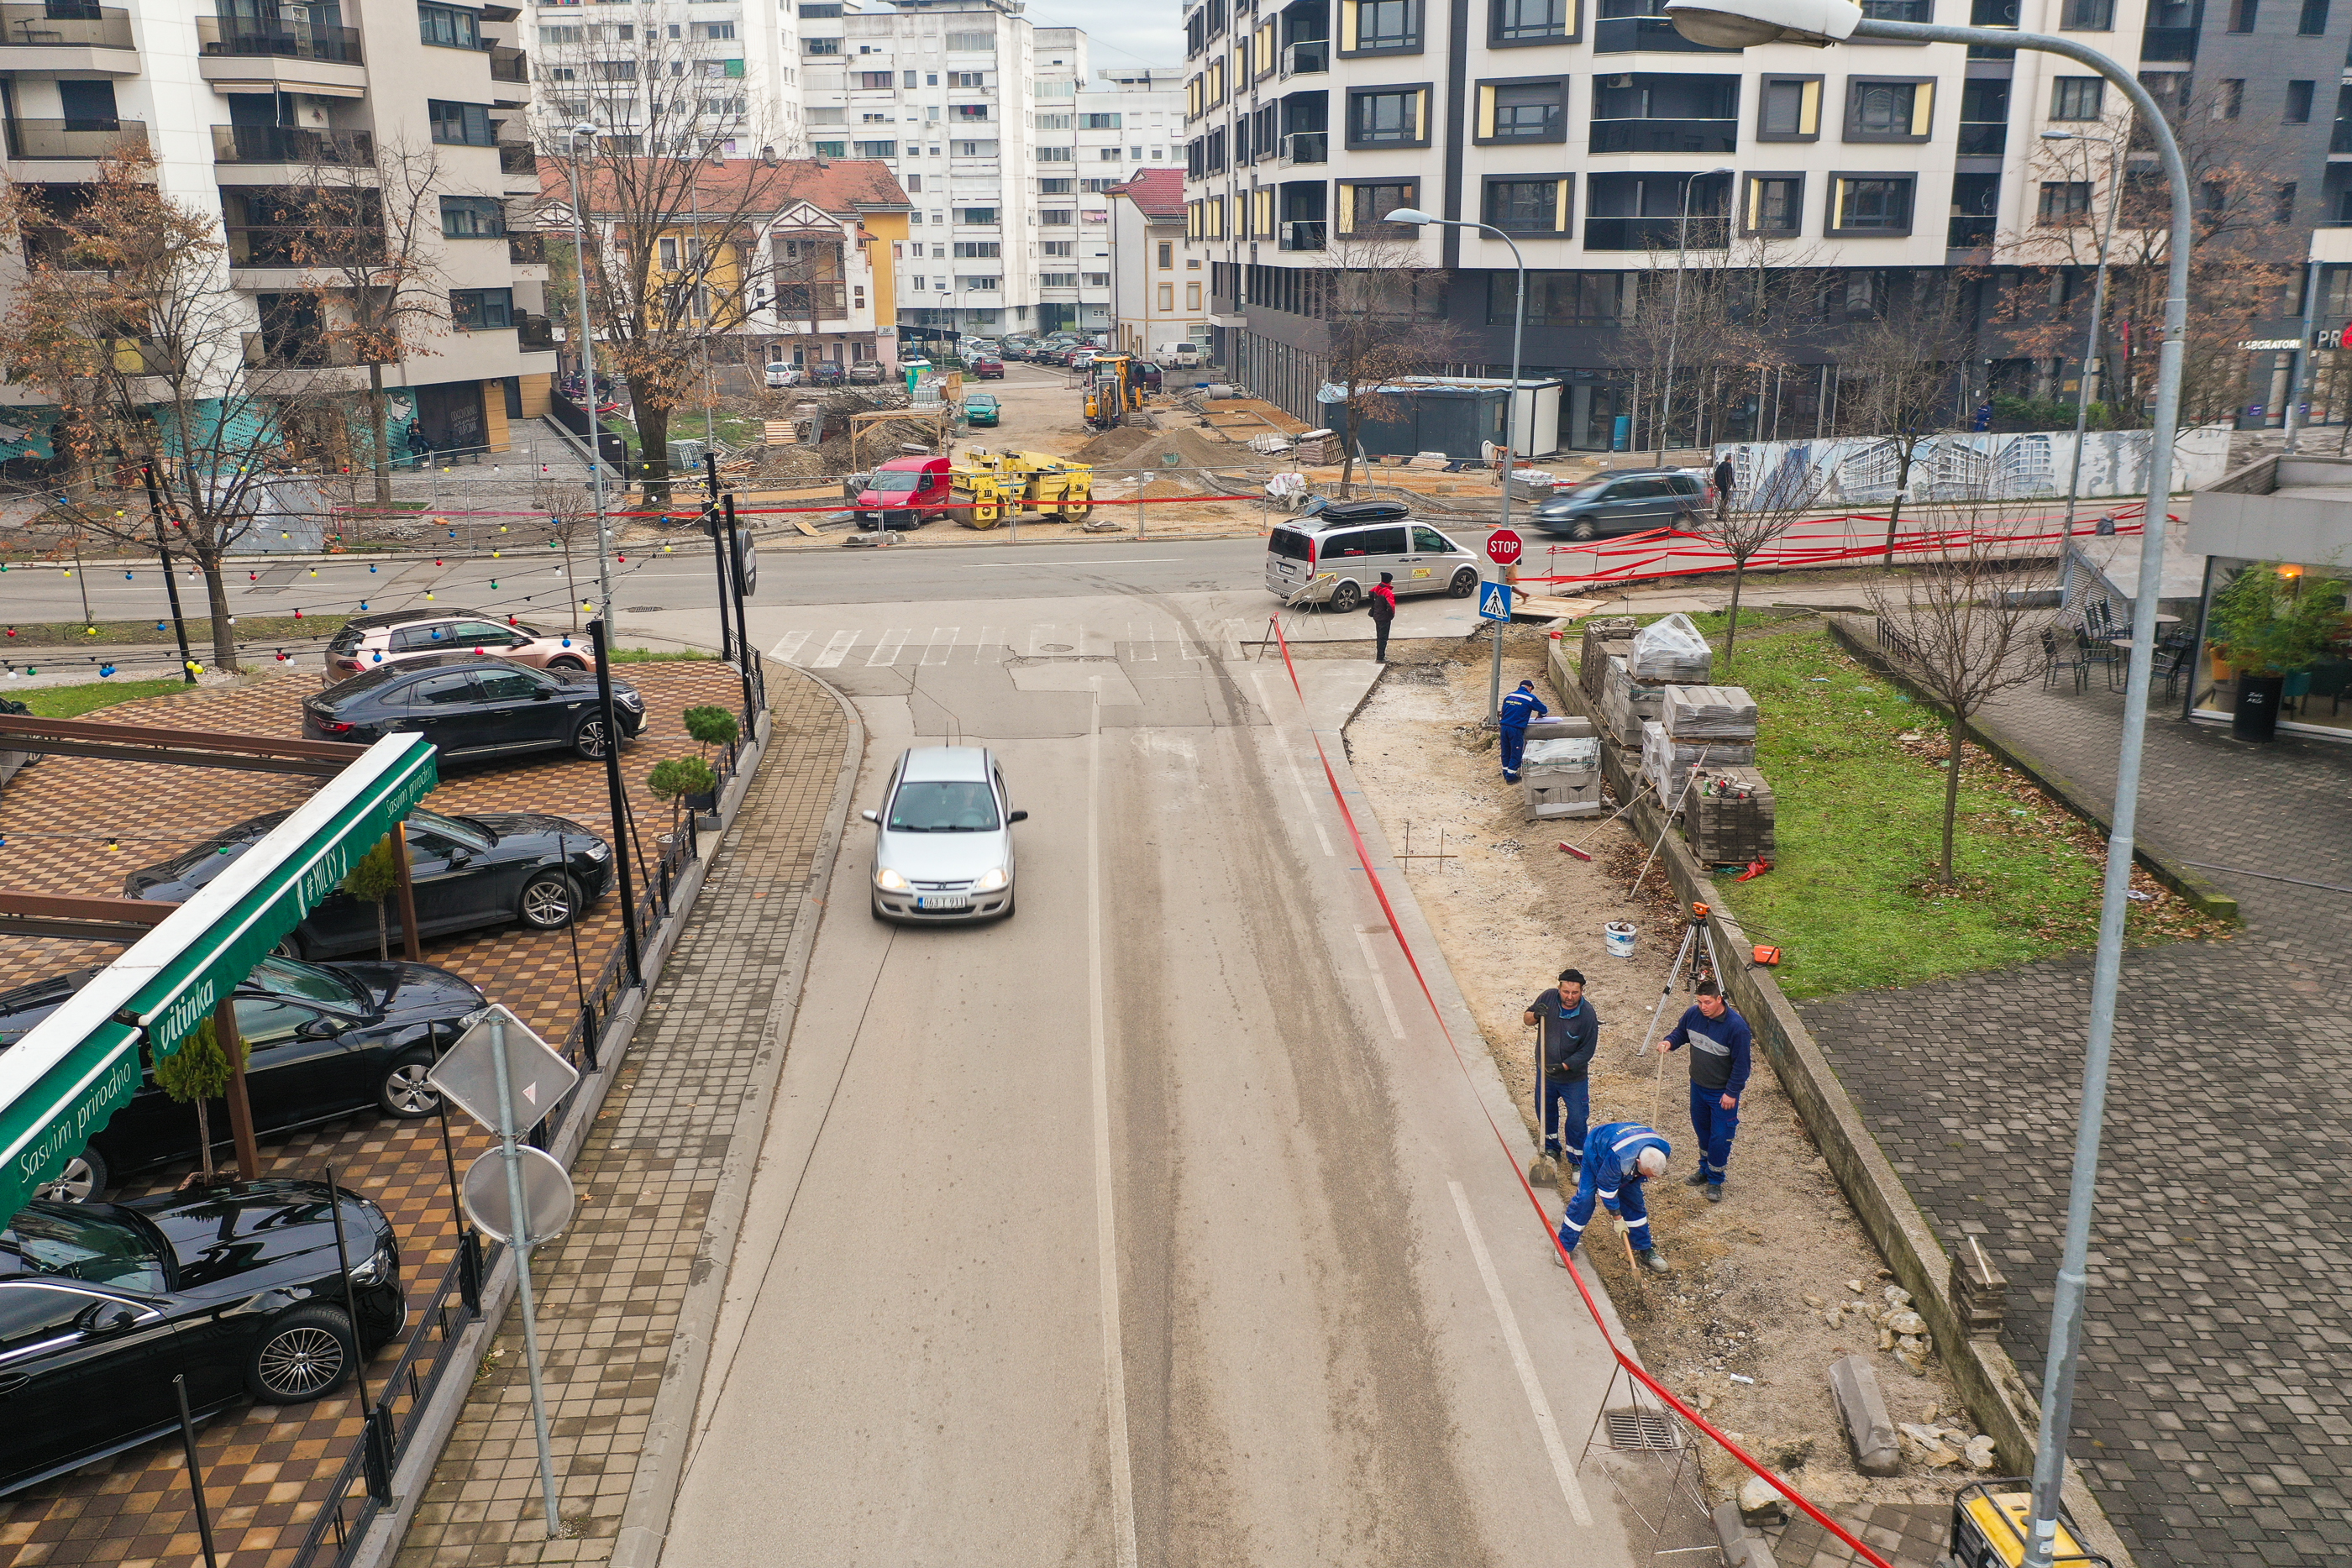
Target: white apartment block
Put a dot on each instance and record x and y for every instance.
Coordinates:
(238, 107)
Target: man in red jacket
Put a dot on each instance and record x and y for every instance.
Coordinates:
(1382, 605)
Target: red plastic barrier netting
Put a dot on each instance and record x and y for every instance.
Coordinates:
(1510, 1155)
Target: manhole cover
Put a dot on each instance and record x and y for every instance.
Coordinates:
(1636, 1429)
(1053, 647)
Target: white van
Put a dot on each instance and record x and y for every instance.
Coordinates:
(1184, 355)
(1352, 542)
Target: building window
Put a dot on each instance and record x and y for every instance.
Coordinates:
(1775, 205)
(828, 149)
(1789, 110)
(1559, 299)
(1523, 110)
(1388, 117)
(1098, 122)
(987, 248)
(446, 27)
(981, 216)
(972, 43)
(1192, 297)
(1057, 280)
(481, 309)
(1880, 111)
(2089, 16)
(1378, 27)
(1364, 208)
(459, 124)
(878, 150)
(1528, 21)
(2283, 212)
(1865, 204)
(981, 285)
(1530, 206)
(1167, 297)
(2298, 103)
(1057, 217)
(2064, 203)
(2314, 20)
(978, 149)
(2230, 98)
(472, 217)
(975, 111)
(716, 30)
(1167, 256)
(2243, 13)
(2077, 98)
(1057, 154)
(873, 81)
(820, 46)
(1056, 187)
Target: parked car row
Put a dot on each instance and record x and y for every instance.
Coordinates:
(824, 373)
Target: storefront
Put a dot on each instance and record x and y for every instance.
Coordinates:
(2275, 631)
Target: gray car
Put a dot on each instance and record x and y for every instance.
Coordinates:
(1626, 501)
(943, 843)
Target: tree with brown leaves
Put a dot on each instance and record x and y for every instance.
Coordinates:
(1384, 317)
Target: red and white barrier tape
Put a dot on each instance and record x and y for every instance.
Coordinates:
(1631, 1368)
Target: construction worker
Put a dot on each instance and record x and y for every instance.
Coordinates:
(1519, 709)
(1720, 1044)
(1571, 1028)
(1382, 604)
(1617, 1158)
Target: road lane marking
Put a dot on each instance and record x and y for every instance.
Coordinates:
(1122, 1475)
(1106, 560)
(1381, 985)
(1561, 1466)
(788, 647)
(836, 650)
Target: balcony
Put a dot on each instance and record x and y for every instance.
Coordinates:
(1308, 58)
(1970, 234)
(2168, 43)
(1666, 135)
(291, 144)
(527, 249)
(1983, 138)
(1644, 35)
(509, 65)
(301, 245)
(1303, 234)
(246, 55)
(66, 35)
(1650, 234)
(534, 334)
(57, 139)
(1307, 147)
(237, 36)
(296, 351)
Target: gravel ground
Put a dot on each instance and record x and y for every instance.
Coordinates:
(1754, 1277)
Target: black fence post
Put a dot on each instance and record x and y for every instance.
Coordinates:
(720, 545)
(616, 796)
(742, 626)
(196, 1472)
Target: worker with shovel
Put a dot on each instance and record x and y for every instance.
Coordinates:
(1571, 1028)
(1720, 1044)
(1617, 1158)
(1521, 708)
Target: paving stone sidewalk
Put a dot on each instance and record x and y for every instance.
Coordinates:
(611, 1288)
(2216, 1396)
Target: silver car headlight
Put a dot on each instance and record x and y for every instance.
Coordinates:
(599, 849)
(372, 1272)
(989, 880)
(889, 881)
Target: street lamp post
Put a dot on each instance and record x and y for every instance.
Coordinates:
(1674, 321)
(588, 376)
(1738, 24)
(2098, 309)
(1510, 413)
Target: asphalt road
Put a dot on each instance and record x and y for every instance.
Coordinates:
(1157, 1225)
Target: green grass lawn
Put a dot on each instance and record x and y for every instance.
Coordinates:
(72, 701)
(1858, 824)
(250, 630)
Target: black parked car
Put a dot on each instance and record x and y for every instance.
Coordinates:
(241, 1289)
(482, 870)
(323, 1041)
(473, 706)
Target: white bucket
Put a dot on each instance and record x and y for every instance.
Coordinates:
(1619, 936)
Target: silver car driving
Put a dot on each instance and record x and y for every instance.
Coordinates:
(944, 850)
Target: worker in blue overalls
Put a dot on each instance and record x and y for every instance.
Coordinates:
(1617, 1158)
(1519, 709)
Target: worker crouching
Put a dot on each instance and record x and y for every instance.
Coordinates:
(1618, 1159)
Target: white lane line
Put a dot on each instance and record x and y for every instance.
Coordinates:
(1381, 985)
(885, 647)
(836, 649)
(1314, 811)
(1122, 1475)
(1561, 1466)
(1106, 560)
(788, 647)
(941, 647)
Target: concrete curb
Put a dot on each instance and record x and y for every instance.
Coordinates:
(385, 1533)
(1996, 1392)
(2207, 895)
(644, 1518)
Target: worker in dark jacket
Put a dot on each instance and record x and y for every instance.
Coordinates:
(1521, 708)
(1617, 1158)
(1571, 1028)
(1726, 476)
(1382, 602)
(1720, 1045)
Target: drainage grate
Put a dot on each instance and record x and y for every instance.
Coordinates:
(1637, 1429)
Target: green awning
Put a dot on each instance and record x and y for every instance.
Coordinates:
(76, 1068)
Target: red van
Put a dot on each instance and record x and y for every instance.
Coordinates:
(905, 493)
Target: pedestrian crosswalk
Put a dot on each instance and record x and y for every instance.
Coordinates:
(1131, 642)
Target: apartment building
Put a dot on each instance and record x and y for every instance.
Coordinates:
(240, 108)
(745, 68)
(1159, 283)
(1883, 171)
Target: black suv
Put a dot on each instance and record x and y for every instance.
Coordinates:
(473, 706)
(1624, 501)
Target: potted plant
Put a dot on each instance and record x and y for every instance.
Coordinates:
(2271, 627)
(711, 725)
(198, 1073)
(680, 778)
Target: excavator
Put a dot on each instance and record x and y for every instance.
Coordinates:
(1112, 391)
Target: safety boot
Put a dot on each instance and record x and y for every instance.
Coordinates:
(1648, 1257)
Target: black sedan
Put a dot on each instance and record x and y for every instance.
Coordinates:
(473, 706)
(482, 870)
(241, 1289)
(323, 1041)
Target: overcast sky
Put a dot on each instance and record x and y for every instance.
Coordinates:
(1134, 33)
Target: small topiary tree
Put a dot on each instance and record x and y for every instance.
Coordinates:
(712, 725)
(375, 879)
(679, 777)
(198, 1073)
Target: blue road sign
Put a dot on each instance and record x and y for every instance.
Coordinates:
(1495, 602)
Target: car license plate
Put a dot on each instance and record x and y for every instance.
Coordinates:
(944, 901)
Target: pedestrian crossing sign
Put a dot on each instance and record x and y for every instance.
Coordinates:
(1494, 600)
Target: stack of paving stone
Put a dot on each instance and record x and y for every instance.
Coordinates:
(1560, 769)
(1727, 816)
(1627, 704)
(1602, 639)
(1702, 715)
(1670, 652)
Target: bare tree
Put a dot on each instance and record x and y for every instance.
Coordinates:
(1964, 638)
(373, 216)
(1704, 323)
(1384, 317)
(1776, 501)
(672, 220)
(1894, 376)
(174, 410)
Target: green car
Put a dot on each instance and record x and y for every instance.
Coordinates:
(979, 408)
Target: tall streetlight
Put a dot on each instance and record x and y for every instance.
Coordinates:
(1674, 321)
(588, 373)
(1511, 412)
(2098, 307)
(1738, 24)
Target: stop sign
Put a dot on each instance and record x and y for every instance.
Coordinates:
(1503, 547)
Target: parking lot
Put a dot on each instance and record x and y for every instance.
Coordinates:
(75, 825)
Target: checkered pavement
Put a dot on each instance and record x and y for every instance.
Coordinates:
(269, 1468)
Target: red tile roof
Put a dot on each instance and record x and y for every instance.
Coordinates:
(1158, 192)
(843, 187)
